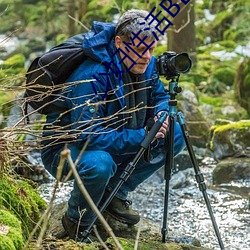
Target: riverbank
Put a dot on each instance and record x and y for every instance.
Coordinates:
(188, 215)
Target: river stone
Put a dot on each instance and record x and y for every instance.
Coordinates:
(231, 139)
(231, 169)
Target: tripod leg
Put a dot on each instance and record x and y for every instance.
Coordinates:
(199, 177)
(168, 173)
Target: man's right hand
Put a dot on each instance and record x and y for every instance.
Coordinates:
(164, 128)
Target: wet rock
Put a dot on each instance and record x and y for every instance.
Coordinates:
(181, 179)
(232, 139)
(231, 169)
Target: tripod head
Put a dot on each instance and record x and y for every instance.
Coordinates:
(174, 89)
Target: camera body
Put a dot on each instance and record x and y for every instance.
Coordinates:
(171, 65)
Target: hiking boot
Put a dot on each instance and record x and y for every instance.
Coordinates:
(121, 211)
(75, 231)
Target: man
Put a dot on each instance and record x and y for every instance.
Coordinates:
(107, 114)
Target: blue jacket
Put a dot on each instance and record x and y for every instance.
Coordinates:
(88, 116)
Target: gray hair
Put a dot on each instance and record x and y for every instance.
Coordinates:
(130, 22)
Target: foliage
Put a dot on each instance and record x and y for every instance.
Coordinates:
(229, 22)
(17, 60)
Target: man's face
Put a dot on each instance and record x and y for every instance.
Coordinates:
(141, 63)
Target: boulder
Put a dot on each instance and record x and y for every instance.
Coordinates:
(197, 125)
(232, 139)
(231, 169)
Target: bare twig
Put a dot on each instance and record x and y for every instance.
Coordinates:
(99, 238)
(66, 154)
(45, 217)
(77, 21)
(137, 236)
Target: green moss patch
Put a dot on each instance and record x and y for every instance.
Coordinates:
(10, 231)
(128, 244)
(22, 200)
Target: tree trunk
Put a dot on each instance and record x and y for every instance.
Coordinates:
(83, 7)
(72, 14)
(181, 36)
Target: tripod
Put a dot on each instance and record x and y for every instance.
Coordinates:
(169, 163)
(173, 90)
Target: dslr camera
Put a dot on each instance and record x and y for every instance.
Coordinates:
(171, 65)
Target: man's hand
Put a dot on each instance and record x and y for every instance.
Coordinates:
(164, 128)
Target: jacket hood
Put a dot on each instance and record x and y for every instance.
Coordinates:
(98, 42)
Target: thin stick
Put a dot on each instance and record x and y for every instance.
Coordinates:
(45, 217)
(99, 238)
(66, 153)
(137, 236)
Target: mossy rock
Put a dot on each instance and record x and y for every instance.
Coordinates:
(22, 200)
(10, 231)
(232, 139)
(231, 169)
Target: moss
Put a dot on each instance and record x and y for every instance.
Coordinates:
(13, 71)
(6, 243)
(16, 237)
(128, 244)
(22, 200)
(212, 100)
(9, 219)
(224, 75)
(236, 125)
(13, 239)
(229, 45)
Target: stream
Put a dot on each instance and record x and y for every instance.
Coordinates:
(187, 212)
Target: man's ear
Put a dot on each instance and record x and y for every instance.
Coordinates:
(118, 41)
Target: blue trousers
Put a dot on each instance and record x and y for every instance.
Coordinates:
(100, 170)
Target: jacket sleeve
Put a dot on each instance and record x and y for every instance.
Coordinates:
(88, 116)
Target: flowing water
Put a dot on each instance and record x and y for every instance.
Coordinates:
(187, 212)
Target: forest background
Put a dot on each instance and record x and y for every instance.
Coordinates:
(214, 33)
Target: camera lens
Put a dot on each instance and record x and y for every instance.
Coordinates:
(182, 63)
